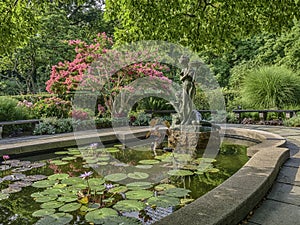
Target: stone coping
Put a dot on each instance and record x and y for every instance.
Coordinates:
(42, 143)
(230, 202)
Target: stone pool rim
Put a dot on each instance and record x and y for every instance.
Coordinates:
(229, 203)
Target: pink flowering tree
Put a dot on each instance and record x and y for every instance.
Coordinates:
(97, 67)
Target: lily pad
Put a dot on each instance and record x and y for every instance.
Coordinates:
(204, 160)
(129, 205)
(11, 190)
(180, 173)
(212, 170)
(61, 153)
(119, 189)
(149, 161)
(58, 176)
(21, 169)
(4, 167)
(163, 187)
(14, 177)
(59, 162)
(37, 164)
(67, 199)
(37, 194)
(4, 196)
(139, 185)
(102, 163)
(72, 180)
(70, 207)
(144, 166)
(118, 146)
(43, 183)
(43, 212)
(96, 181)
(185, 201)
(34, 178)
(55, 219)
(100, 214)
(177, 192)
(52, 205)
(117, 220)
(115, 177)
(138, 175)
(139, 194)
(104, 158)
(53, 191)
(59, 186)
(163, 201)
(11, 161)
(45, 198)
(111, 150)
(21, 184)
(69, 158)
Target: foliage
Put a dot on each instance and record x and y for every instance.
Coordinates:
(271, 87)
(141, 119)
(292, 122)
(52, 107)
(32, 98)
(198, 24)
(20, 20)
(109, 74)
(231, 118)
(200, 100)
(10, 109)
(154, 103)
(26, 68)
(103, 123)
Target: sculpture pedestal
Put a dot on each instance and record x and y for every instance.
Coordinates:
(194, 138)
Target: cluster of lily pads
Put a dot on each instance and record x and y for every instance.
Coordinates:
(104, 198)
(13, 177)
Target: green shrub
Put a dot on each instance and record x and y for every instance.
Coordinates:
(292, 122)
(141, 119)
(53, 126)
(271, 87)
(10, 110)
(103, 123)
(32, 97)
(231, 118)
(52, 107)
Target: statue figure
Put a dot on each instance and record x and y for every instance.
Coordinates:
(187, 76)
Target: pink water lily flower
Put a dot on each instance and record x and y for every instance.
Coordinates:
(5, 157)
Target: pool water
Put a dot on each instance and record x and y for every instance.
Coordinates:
(105, 186)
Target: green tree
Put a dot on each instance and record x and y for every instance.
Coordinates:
(198, 24)
(27, 68)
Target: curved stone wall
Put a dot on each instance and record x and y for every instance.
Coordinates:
(230, 202)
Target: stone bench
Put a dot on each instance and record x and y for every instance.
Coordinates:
(16, 122)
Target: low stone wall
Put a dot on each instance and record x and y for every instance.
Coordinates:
(230, 202)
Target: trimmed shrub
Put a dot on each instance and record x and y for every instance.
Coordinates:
(10, 110)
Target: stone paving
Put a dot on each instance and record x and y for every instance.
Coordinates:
(282, 204)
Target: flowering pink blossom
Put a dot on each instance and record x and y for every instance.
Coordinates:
(5, 157)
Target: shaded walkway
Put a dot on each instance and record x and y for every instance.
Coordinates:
(282, 204)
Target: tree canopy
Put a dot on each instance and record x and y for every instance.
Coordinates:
(198, 23)
(21, 19)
